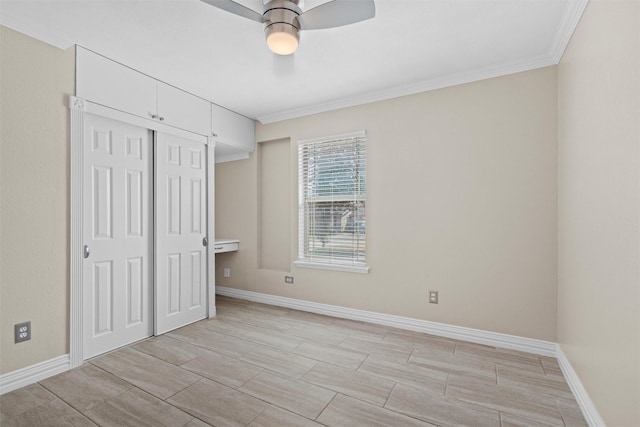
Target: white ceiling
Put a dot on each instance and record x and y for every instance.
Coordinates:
(410, 46)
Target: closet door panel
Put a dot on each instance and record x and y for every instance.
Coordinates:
(117, 282)
(181, 267)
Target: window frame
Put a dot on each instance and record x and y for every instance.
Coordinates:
(351, 265)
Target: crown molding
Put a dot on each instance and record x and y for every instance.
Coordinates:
(572, 14)
(569, 22)
(412, 89)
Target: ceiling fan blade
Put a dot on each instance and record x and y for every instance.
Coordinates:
(337, 13)
(236, 9)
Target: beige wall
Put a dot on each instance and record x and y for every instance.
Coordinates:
(35, 80)
(599, 207)
(461, 199)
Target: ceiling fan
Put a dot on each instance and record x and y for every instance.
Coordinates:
(284, 19)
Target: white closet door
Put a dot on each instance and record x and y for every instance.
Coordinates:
(117, 228)
(181, 257)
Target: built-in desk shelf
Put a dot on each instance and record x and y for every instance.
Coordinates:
(226, 245)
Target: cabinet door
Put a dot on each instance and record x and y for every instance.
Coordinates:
(183, 110)
(114, 85)
(232, 129)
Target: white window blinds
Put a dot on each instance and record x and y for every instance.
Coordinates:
(332, 200)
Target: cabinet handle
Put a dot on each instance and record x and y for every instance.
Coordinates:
(161, 119)
(215, 135)
(153, 116)
(218, 247)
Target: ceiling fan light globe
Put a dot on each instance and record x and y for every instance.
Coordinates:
(282, 39)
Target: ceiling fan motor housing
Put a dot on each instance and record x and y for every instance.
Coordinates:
(281, 16)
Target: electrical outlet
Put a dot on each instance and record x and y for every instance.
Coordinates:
(22, 332)
(433, 297)
(288, 279)
(226, 272)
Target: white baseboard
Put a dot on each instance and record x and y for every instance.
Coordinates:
(34, 373)
(543, 348)
(40, 371)
(591, 414)
(494, 339)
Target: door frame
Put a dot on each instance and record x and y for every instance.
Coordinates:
(78, 108)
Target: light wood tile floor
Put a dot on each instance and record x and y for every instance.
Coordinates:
(259, 365)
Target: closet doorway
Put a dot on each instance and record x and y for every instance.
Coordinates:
(144, 233)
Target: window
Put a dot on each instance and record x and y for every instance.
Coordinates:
(332, 200)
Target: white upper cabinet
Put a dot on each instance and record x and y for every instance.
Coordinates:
(233, 134)
(108, 83)
(111, 84)
(183, 110)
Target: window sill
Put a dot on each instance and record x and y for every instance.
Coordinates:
(334, 267)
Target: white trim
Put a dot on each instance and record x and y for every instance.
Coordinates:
(34, 373)
(411, 89)
(211, 228)
(78, 108)
(494, 339)
(591, 414)
(40, 371)
(570, 20)
(364, 269)
(353, 264)
(571, 17)
(357, 134)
